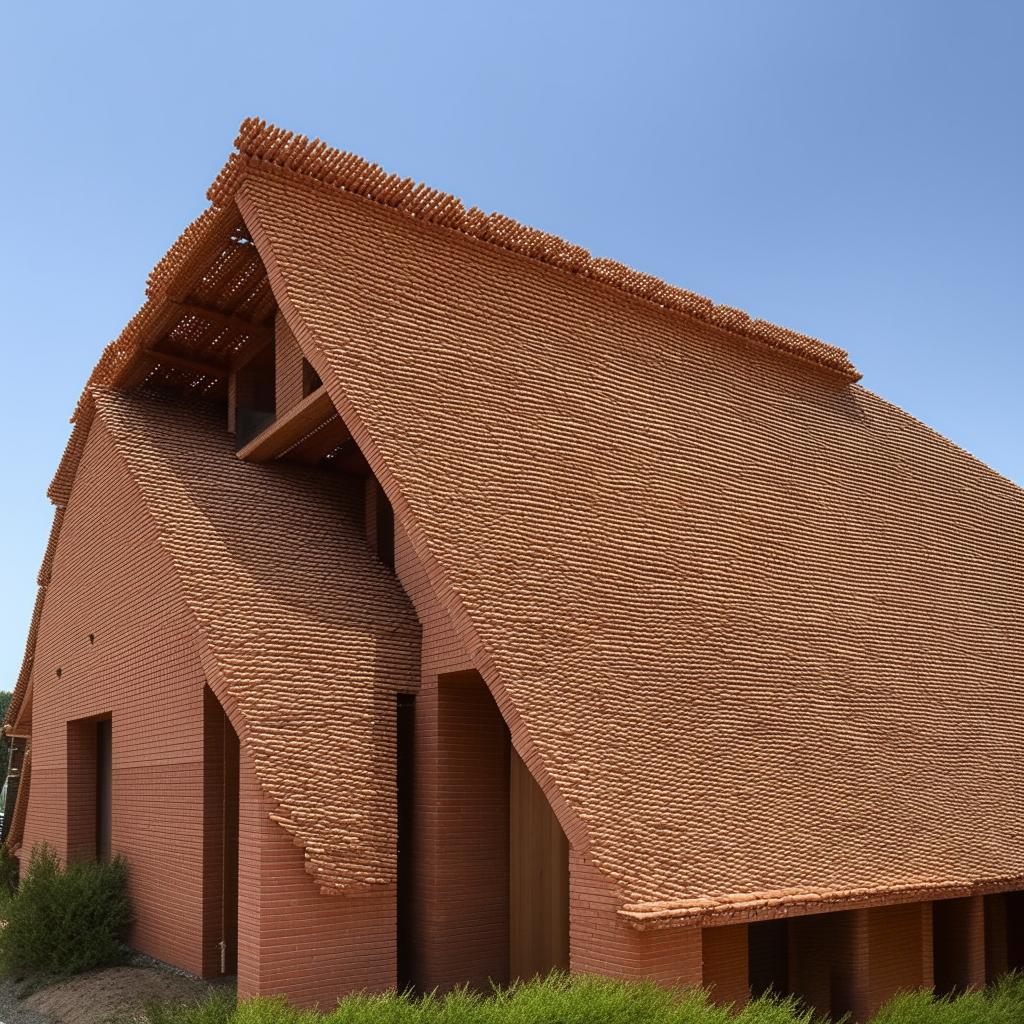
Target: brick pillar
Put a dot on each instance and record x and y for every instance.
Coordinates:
(854, 961)
(460, 921)
(725, 971)
(996, 961)
(292, 939)
(288, 374)
(601, 942)
(959, 936)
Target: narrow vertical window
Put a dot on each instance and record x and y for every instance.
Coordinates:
(385, 529)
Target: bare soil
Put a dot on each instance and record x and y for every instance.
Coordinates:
(98, 996)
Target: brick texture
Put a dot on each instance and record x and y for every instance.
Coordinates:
(633, 623)
(959, 944)
(115, 625)
(724, 964)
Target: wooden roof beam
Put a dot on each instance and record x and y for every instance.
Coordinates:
(188, 365)
(287, 431)
(215, 316)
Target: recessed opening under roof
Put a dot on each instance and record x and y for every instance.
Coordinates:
(255, 396)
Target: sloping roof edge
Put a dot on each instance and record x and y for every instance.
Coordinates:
(763, 906)
(263, 148)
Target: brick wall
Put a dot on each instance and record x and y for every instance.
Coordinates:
(293, 939)
(111, 582)
(601, 942)
(725, 968)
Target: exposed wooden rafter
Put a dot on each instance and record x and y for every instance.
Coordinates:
(215, 316)
(299, 431)
(186, 364)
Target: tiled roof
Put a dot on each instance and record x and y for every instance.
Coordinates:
(304, 634)
(760, 637)
(265, 148)
(757, 632)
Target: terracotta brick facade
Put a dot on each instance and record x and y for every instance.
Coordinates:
(119, 636)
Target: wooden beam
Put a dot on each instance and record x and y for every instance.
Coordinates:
(189, 365)
(287, 431)
(215, 316)
(314, 447)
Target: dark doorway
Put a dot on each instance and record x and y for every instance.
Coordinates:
(768, 957)
(89, 788)
(406, 728)
(220, 840)
(104, 788)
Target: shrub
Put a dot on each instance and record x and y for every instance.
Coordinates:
(557, 999)
(62, 920)
(592, 1000)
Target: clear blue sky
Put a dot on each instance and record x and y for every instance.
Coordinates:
(850, 169)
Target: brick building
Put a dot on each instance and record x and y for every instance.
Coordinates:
(428, 602)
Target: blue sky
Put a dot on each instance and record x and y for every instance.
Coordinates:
(849, 169)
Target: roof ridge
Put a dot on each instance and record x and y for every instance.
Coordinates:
(263, 147)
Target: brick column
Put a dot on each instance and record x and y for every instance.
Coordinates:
(288, 368)
(959, 933)
(292, 939)
(725, 971)
(461, 843)
(601, 942)
(854, 961)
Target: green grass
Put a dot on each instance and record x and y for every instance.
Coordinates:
(591, 1000)
(63, 920)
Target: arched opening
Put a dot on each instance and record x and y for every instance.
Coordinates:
(220, 840)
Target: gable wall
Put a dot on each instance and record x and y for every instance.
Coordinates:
(111, 579)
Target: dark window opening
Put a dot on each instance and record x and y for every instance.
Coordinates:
(255, 396)
(406, 725)
(310, 379)
(768, 957)
(385, 529)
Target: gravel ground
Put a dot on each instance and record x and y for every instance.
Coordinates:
(12, 1009)
(96, 996)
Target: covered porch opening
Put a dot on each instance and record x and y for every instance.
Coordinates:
(958, 944)
(220, 840)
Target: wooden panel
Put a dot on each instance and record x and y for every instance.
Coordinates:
(538, 880)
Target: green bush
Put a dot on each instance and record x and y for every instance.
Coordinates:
(592, 1000)
(554, 1000)
(62, 920)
